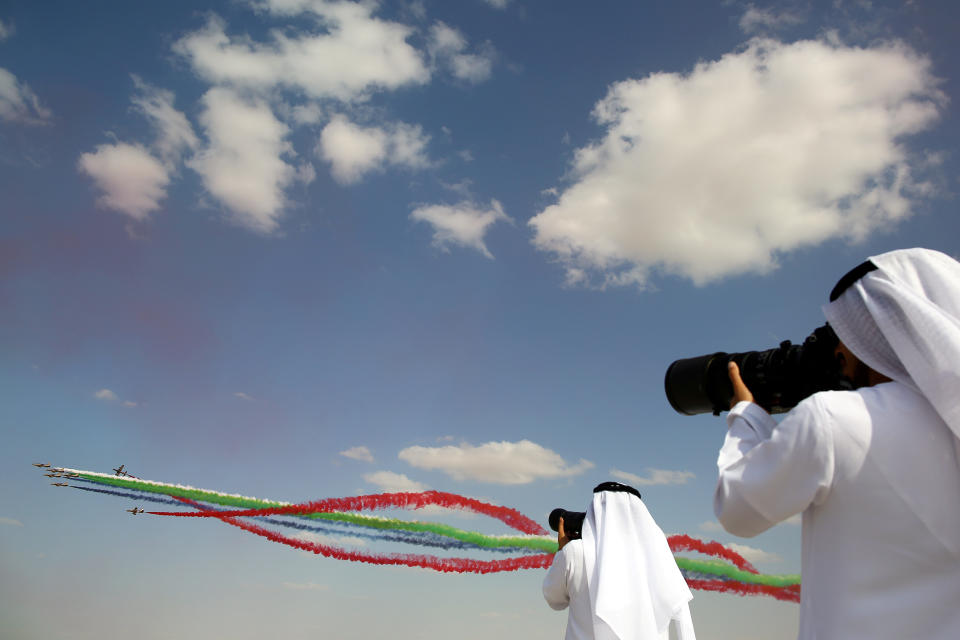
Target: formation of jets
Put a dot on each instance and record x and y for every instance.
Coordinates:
(59, 472)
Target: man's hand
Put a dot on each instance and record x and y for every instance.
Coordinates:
(740, 391)
(562, 538)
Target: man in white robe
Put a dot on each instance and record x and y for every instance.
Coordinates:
(620, 579)
(875, 471)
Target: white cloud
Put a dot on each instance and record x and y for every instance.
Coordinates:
(447, 47)
(105, 394)
(463, 224)
(752, 555)
(472, 67)
(18, 103)
(11, 522)
(354, 151)
(497, 462)
(6, 30)
(769, 149)
(360, 453)
(243, 163)
(498, 4)
(391, 482)
(242, 396)
(133, 181)
(175, 135)
(656, 477)
(756, 19)
(352, 54)
(711, 526)
(351, 150)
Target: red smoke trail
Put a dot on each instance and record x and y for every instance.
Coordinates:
(510, 517)
(686, 543)
(787, 594)
(458, 565)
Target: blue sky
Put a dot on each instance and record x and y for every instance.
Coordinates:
(301, 249)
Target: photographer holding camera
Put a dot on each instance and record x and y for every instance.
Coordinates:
(875, 470)
(615, 571)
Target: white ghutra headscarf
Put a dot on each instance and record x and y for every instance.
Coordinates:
(635, 585)
(902, 319)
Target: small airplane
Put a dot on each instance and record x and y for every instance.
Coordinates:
(40, 464)
(118, 471)
(135, 510)
(60, 484)
(53, 475)
(72, 475)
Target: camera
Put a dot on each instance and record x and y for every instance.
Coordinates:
(778, 378)
(572, 522)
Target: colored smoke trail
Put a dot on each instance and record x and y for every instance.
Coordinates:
(728, 572)
(543, 544)
(425, 539)
(686, 543)
(445, 565)
(510, 517)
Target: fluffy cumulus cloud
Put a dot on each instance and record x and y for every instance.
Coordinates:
(18, 103)
(496, 462)
(464, 224)
(242, 164)
(360, 453)
(6, 30)
(105, 394)
(391, 482)
(716, 172)
(654, 477)
(131, 179)
(353, 150)
(448, 48)
(348, 54)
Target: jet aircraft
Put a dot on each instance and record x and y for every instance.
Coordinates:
(60, 484)
(40, 464)
(135, 510)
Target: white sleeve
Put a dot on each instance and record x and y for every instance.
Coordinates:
(770, 471)
(683, 624)
(555, 583)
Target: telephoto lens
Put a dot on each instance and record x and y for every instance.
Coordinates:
(778, 378)
(572, 522)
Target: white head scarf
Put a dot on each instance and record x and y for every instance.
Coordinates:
(903, 320)
(635, 585)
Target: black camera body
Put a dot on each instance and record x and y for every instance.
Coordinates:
(778, 378)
